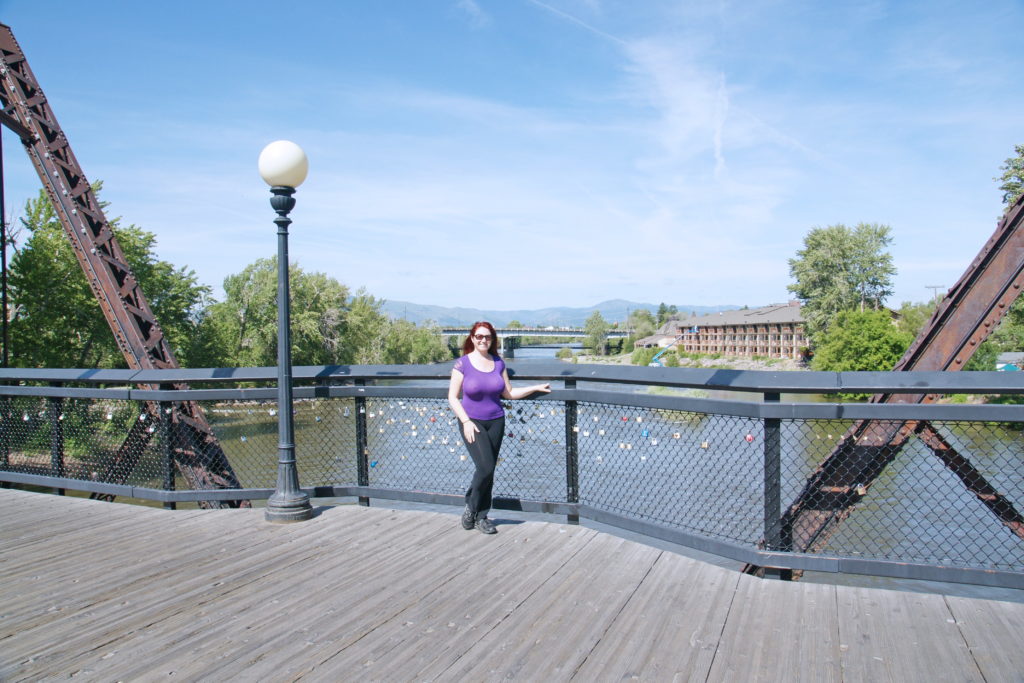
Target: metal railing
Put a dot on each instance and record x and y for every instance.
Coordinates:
(654, 450)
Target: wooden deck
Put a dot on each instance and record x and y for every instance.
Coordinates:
(110, 592)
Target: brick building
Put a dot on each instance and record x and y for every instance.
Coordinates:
(775, 331)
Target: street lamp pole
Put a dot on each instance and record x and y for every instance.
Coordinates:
(283, 165)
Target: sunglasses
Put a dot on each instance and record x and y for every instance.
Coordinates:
(482, 337)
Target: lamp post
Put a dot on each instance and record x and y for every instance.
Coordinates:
(283, 165)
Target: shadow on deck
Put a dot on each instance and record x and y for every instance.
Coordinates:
(109, 591)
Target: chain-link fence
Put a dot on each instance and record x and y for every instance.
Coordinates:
(923, 491)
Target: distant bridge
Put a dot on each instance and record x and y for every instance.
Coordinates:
(577, 332)
(509, 336)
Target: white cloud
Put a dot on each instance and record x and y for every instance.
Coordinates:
(478, 18)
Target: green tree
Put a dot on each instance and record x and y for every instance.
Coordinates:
(515, 324)
(365, 331)
(666, 313)
(564, 353)
(596, 334)
(641, 324)
(913, 317)
(1012, 178)
(409, 343)
(55, 319)
(642, 356)
(246, 321)
(841, 268)
(861, 340)
(328, 326)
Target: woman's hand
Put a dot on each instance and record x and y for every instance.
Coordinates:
(542, 388)
(469, 430)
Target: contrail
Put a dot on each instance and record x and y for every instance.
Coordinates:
(579, 22)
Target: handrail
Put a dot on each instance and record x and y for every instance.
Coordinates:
(714, 379)
(739, 408)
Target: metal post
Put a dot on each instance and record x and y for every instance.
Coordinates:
(572, 454)
(362, 446)
(166, 415)
(773, 482)
(5, 436)
(288, 503)
(55, 408)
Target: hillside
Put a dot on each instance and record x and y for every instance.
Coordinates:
(614, 310)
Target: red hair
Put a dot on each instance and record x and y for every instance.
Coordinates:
(468, 346)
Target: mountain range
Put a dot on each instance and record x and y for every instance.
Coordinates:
(615, 310)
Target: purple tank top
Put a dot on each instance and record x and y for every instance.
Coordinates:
(481, 391)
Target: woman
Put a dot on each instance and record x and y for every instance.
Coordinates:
(480, 376)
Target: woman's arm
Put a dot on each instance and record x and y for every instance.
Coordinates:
(513, 394)
(454, 389)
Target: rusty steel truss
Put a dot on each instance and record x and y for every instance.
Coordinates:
(24, 109)
(970, 312)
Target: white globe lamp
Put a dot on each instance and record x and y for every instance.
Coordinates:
(283, 164)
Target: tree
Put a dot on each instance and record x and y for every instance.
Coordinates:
(409, 343)
(246, 321)
(515, 324)
(366, 331)
(596, 329)
(1012, 177)
(328, 327)
(56, 320)
(841, 268)
(641, 323)
(914, 316)
(642, 356)
(861, 340)
(666, 313)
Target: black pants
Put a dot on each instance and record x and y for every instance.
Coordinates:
(484, 451)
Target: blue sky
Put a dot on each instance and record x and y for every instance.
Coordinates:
(513, 154)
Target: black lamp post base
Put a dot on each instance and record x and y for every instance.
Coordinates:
(285, 511)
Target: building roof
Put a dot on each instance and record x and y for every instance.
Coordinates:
(661, 340)
(772, 315)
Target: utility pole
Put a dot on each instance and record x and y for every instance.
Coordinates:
(935, 291)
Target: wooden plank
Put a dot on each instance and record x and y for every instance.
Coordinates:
(248, 623)
(180, 583)
(379, 594)
(670, 629)
(72, 548)
(778, 630)
(433, 633)
(356, 611)
(994, 632)
(88, 561)
(551, 633)
(900, 636)
(24, 526)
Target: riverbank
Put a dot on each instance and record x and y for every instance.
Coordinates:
(774, 364)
